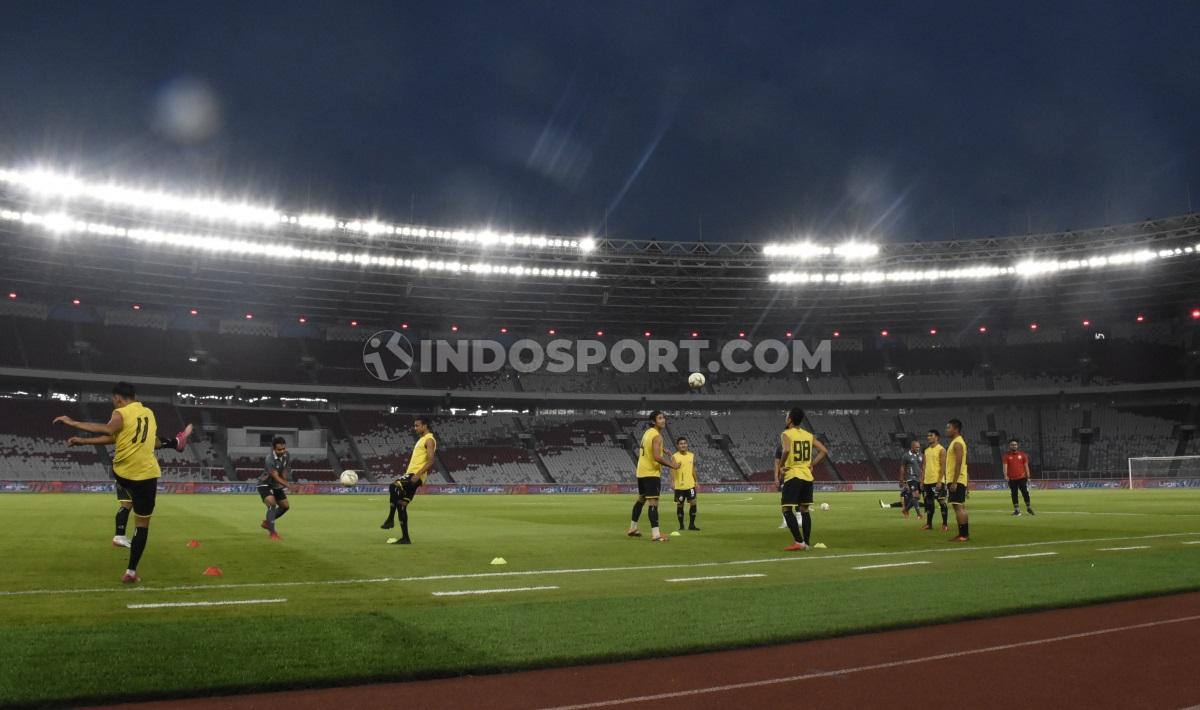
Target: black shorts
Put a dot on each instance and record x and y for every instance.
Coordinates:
(933, 490)
(265, 490)
(685, 494)
(959, 494)
(649, 486)
(123, 496)
(408, 485)
(141, 493)
(797, 491)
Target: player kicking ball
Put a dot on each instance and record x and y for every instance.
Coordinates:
(124, 498)
(651, 460)
(272, 488)
(133, 431)
(403, 489)
(795, 479)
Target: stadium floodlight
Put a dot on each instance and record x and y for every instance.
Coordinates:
(856, 250)
(59, 224)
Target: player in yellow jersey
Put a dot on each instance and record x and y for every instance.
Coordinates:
(933, 481)
(405, 487)
(793, 475)
(134, 432)
(684, 479)
(956, 478)
(651, 459)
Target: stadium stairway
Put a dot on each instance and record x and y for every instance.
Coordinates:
(359, 461)
(531, 443)
(867, 449)
(712, 426)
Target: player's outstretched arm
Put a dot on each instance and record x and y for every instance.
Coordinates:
(111, 428)
(105, 440)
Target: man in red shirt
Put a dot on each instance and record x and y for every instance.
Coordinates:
(1016, 470)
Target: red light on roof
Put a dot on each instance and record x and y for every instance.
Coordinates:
(137, 307)
(884, 333)
(695, 334)
(1141, 318)
(353, 324)
(552, 331)
(1086, 323)
(302, 319)
(983, 329)
(454, 329)
(741, 333)
(404, 326)
(599, 333)
(837, 333)
(12, 295)
(933, 331)
(504, 330)
(788, 334)
(1033, 326)
(249, 316)
(75, 302)
(194, 312)
(1196, 314)
(646, 334)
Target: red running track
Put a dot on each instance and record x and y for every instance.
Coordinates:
(1134, 654)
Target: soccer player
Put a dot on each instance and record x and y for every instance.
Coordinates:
(684, 479)
(124, 500)
(134, 432)
(404, 488)
(956, 478)
(272, 488)
(651, 459)
(910, 468)
(933, 483)
(1016, 470)
(795, 478)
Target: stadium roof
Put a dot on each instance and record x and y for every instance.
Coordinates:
(168, 253)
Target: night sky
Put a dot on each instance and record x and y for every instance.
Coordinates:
(750, 121)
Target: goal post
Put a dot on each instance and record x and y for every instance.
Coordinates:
(1160, 470)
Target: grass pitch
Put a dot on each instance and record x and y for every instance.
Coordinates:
(358, 610)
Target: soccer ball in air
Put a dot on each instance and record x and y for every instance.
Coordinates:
(348, 478)
(695, 380)
(824, 506)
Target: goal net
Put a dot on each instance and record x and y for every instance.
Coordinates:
(1164, 471)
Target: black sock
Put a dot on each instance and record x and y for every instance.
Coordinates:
(966, 529)
(137, 547)
(280, 511)
(637, 511)
(122, 520)
(692, 516)
(679, 514)
(929, 513)
(165, 442)
(806, 524)
(790, 517)
(403, 522)
(945, 515)
(653, 515)
(898, 505)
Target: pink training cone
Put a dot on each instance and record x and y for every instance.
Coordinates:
(193, 543)
(212, 572)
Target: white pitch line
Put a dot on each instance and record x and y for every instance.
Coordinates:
(164, 605)
(466, 592)
(895, 564)
(873, 667)
(724, 576)
(581, 570)
(1028, 554)
(1191, 542)
(1122, 549)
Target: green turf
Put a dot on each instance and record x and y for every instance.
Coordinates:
(87, 645)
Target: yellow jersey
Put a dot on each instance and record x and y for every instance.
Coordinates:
(134, 458)
(420, 457)
(647, 465)
(962, 463)
(798, 454)
(933, 464)
(685, 475)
